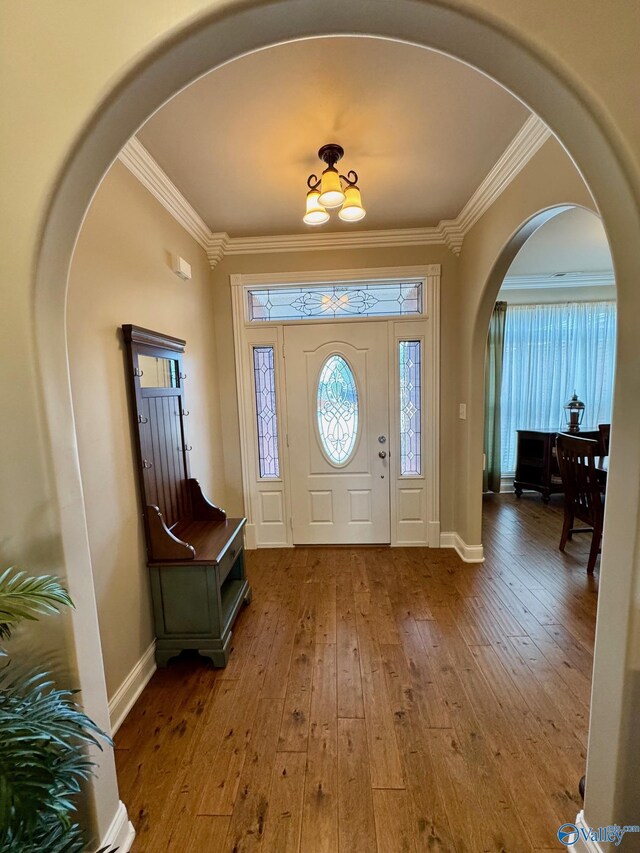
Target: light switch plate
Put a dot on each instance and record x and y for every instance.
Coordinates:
(463, 412)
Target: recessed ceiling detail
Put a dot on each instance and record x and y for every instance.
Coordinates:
(533, 134)
(421, 129)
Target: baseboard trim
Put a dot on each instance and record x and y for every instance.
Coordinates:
(125, 696)
(121, 833)
(584, 844)
(468, 553)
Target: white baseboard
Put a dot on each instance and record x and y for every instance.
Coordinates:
(125, 696)
(468, 553)
(506, 484)
(121, 832)
(584, 844)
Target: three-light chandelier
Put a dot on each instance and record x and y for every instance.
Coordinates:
(332, 190)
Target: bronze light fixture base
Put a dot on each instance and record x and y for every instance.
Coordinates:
(331, 153)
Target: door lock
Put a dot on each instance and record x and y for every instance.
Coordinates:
(382, 454)
(382, 439)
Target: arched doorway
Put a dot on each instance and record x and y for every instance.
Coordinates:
(218, 38)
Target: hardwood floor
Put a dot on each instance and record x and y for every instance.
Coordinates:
(379, 699)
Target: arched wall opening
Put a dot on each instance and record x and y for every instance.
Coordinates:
(554, 93)
(535, 281)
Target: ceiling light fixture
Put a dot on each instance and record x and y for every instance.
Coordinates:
(333, 190)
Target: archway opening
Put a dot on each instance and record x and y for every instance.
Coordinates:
(114, 123)
(553, 326)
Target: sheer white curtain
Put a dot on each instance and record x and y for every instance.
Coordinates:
(550, 351)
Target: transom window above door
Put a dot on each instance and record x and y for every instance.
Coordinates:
(335, 301)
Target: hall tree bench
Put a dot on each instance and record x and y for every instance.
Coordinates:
(195, 554)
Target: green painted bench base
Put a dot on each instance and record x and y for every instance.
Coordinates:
(194, 608)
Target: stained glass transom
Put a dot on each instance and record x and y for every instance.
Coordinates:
(410, 357)
(337, 409)
(265, 387)
(336, 301)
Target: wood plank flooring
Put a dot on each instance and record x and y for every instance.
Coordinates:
(390, 700)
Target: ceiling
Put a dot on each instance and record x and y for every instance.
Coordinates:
(573, 241)
(421, 129)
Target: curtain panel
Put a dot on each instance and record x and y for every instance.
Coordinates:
(550, 351)
(492, 399)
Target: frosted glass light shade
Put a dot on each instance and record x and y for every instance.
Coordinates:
(352, 209)
(331, 194)
(315, 213)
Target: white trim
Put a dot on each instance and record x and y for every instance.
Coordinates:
(468, 553)
(552, 280)
(448, 232)
(527, 141)
(246, 334)
(506, 484)
(142, 165)
(126, 695)
(584, 845)
(313, 241)
(371, 274)
(120, 833)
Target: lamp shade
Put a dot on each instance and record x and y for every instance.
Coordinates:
(315, 213)
(331, 194)
(352, 209)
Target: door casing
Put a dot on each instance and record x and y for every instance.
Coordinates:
(415, 500)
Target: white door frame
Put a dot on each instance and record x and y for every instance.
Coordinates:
(268, 501)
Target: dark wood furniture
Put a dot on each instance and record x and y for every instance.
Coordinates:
(604, 431)
(536, 463)
(194, 552)
(582, 495)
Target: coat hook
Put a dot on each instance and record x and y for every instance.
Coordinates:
(182, 375)
(138, 372)
(142, 420)
(188, 447)
(185, 413)
(146, 464)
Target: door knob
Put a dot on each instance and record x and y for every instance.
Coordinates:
(382, 439)
(382, 454)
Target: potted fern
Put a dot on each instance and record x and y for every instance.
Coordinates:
(43, 734)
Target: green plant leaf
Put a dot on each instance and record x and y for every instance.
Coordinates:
(43, 733)
(25, 597)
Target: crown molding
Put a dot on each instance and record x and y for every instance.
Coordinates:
(553, 280)
(141, 164)
(449, 232)
(317, 241)
(529, 139)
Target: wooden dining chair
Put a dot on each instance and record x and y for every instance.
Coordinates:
(605, 432)
(582, 497)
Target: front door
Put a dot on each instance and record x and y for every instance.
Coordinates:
(337, 385)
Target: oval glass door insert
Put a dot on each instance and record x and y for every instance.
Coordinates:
(337, 410)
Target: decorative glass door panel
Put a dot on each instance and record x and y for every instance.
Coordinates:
(337, 378)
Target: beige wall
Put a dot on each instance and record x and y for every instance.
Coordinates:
(67, 76)
(121, 273)
(549, 179)
(338, 260)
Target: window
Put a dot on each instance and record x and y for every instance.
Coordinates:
(410, 360)
(337, 410)
(265, 390)
(550, 351)
(335, 301)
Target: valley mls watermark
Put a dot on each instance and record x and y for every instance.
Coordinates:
(569, 834)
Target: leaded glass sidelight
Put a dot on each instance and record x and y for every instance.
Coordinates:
(265, 389)
(337, 410)
(410, 358)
